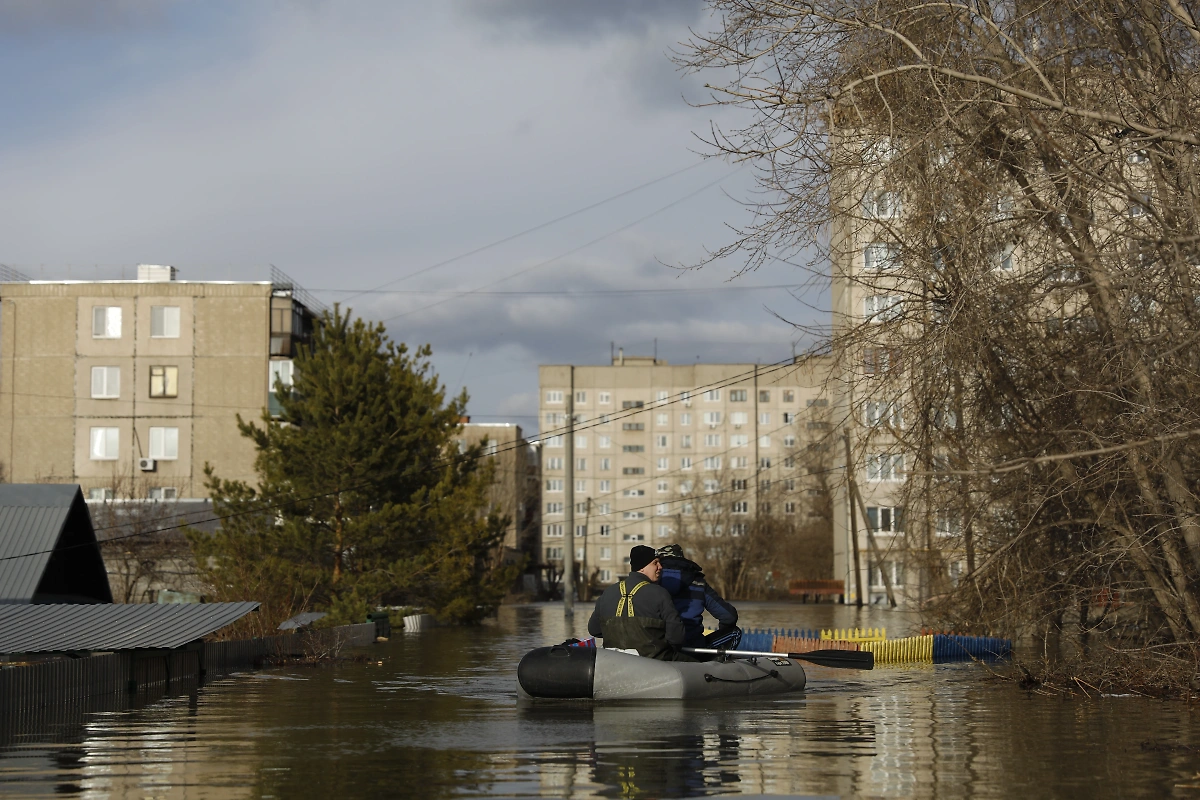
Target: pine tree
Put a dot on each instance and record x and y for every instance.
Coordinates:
(363, 498)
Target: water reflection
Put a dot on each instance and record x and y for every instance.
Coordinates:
(439, 718)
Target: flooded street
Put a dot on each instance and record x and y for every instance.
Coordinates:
(439, 718)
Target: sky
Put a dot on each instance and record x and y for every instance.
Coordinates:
(514, 182)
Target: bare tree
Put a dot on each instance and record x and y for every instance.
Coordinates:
(1007, 194)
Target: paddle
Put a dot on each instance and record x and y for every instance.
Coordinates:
(840, 659)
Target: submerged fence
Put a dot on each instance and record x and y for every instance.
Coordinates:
(926, 649)
(26, 690)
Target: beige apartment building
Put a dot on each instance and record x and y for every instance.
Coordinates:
(139, 382)
(516, 489)
(650, 434)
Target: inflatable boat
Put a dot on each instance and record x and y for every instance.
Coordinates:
(586, 673)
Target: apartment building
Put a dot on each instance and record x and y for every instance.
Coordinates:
(139, 382)
(649, 435)
(516, 491)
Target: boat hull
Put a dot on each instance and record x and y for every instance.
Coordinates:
(581, 673)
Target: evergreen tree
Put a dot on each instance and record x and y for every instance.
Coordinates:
(363, 498)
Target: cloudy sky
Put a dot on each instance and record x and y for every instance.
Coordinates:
(512, 181)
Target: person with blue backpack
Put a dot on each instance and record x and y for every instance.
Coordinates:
(692, 596)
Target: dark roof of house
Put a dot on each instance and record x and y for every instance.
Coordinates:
(48, 549)
(72, 627)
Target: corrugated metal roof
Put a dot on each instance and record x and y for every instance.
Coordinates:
(62, 627)
(32, 517)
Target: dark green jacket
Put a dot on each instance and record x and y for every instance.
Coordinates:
(653, 629)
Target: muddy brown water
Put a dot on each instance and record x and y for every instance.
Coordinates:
(439, 718)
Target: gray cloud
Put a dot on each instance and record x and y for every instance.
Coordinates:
(22, 17)
(586, 19)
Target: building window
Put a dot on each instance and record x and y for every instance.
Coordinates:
(739, 440)
(1002, 258)
(662, 510)
(164, 493)
(880, 412)
(712, 395)
(554, 441)
(739, 418)
(105, 444)
(664, 531)
(789, 417)
(633, 426)
(764, 442)
(554, 508)
(164, 381)
(948, 524)
(606, 554)
(633, 448)
(106, 322)
(634, 493)
(554, 530)
(789, 441)
(741, 507)
(886, 519)
(712, 418)
(895, 571)
(106, 383)
(554, 462)
(633, 470)
(737, 395)
(764, 462)
(581, 464)
(581, 442)
(604, 508)
(880, 256)
(739, 462)
(605, 486)
(164, 444)
(685, 419)
(789, 508)
(604, 398)
(662, 395)
(764, 418)
(661, 420)
(882, 307)
(685, 441)
(581, 486)
(581, 397)
(164, 322)
(101, 494)
(712, 440)
(816, 401)
(491, 448)
(685, 463)
(554, 553)
(280, 371)
(605, 464)
(606, 530)
(885, 467)
(555, 418)
(554, 396)
(739, 484)
(663, 486)
(880, 361)
(604, 442)
(712, 462)
(662, 464)
(764, 395)
(661, 441)
(554, 485)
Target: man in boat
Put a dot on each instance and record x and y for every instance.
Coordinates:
(638, 614)
(692, 596)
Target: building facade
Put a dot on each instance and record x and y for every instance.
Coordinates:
(650, 437)
(138, 383)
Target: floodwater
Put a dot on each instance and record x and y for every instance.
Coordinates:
(438, 717)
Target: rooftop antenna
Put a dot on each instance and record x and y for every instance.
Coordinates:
(655, 349)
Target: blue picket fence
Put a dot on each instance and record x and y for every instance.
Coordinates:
(948, 648)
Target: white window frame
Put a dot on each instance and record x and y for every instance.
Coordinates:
(554, 441)
(106, 383)
(882, 307)
(712, 462)
(166, 320)
(164, 443)
(881, 257)
(712, 396)
(604, 398)
(106, 322)
(554, 397)
(663, 464)
(105, 444)
(885, 467)
(554, 484)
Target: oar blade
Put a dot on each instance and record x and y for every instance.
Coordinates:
(838, 659)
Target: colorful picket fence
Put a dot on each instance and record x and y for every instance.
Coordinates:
(928, 648)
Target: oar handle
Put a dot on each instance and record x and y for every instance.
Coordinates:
(844, 659)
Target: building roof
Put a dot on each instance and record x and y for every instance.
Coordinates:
(48, 549)
(69, 627)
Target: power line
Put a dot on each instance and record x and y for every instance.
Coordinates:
(528, 231)
(572, 251)
(569, 292)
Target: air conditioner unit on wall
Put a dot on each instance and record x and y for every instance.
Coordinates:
(147, 464)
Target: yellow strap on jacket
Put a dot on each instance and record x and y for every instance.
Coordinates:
(627, 596)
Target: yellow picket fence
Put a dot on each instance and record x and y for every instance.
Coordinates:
(855, 635)
(900, 651)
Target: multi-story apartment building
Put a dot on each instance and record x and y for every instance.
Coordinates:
(650, 435)
(139, 382)
(516, 491)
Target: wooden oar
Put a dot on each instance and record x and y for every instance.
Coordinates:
(840, 659)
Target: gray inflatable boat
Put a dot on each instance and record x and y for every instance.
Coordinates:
(584, 673)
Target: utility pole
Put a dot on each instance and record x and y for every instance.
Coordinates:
(585, 586)
(858, 583)
(569, 550)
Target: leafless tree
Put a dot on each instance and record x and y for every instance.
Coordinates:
(1007, 194)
